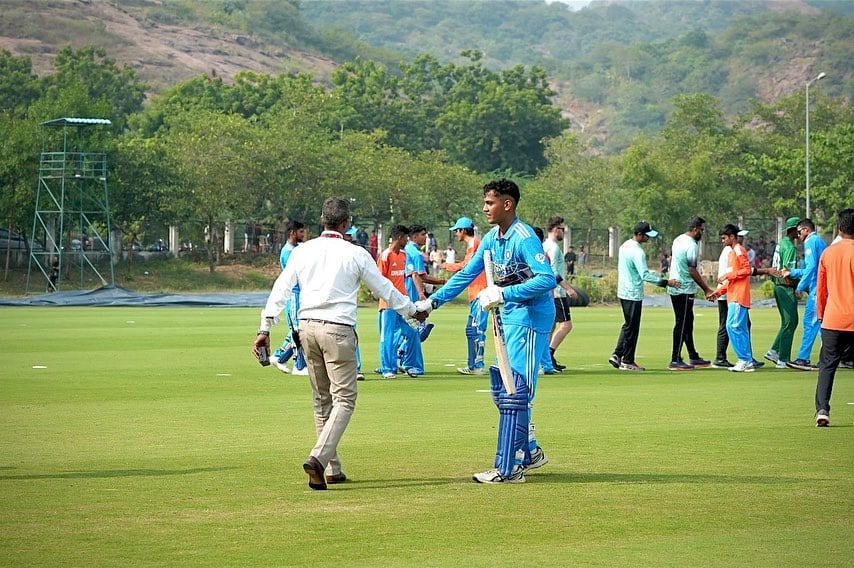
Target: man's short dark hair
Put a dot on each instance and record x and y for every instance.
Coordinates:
(553, 221)
(293, 225)
(729, 229)
(503, 186)
(807, 223)
(696, 223)
(334, 212)
(417, 229)
(468, 230)
(845, 222)
(398, 231)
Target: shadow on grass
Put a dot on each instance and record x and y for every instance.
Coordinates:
(660, 478)
(580, 478)
(106, 474)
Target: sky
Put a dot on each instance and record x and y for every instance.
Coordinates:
(573, 4)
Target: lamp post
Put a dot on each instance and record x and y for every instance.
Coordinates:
(807, 153)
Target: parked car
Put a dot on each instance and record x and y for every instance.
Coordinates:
(15, 241)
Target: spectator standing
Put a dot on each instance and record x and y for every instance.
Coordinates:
(436, 260)
(570, 258)
(450, 254)
(632, 272)
(683, 268)
(373, 244)
(835, 309)
(813, 247)
(328, 271)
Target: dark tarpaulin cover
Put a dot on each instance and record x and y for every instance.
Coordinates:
(118, 296)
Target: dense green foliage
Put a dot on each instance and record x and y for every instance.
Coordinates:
(413, 141)
(628, 58)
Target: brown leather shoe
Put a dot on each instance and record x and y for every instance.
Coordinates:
(315, 473)
(336, 478)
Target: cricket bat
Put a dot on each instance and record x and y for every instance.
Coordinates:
(498, 331)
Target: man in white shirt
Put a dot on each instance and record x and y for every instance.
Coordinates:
(328, 271)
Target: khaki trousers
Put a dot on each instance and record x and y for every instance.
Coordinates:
(330, 352)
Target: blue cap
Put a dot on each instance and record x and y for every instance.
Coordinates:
(351, 231)
(462, 223)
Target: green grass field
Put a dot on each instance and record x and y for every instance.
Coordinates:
(153, 438)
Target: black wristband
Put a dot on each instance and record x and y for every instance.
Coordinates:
(262, 332)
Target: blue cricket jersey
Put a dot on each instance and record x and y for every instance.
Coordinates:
(414, 264)
(518, 251)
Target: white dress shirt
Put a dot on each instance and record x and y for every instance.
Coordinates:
(328, 270)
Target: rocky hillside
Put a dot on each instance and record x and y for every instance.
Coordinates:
(161, 54)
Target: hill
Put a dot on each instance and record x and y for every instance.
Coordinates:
(615, 64)
(149, 36)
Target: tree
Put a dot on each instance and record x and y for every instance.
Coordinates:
(581, 187)
(482, 119)
(212, 154)
(103, 80)
(18, 85)
(776, 155)
(141, 180)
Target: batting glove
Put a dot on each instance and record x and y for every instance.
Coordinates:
(490, 297)
(424, 305)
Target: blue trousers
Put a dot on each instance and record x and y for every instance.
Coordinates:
(392, 330)
(476, 334)
(525, 348)
(738, 329)
(811, 327)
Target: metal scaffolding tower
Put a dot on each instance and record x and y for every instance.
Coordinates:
(72, 213)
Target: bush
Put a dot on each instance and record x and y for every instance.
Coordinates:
(602, 289)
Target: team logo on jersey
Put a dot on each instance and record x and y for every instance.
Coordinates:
(541, 258)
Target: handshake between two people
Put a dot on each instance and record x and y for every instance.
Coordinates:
(489, 298)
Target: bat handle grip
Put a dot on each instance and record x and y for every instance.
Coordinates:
(488, 268)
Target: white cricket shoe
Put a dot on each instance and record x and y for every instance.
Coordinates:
(538, 459)
(283, 367)
(470, 371)
(772, 356)
(743, 367)
(303, 371)
(493, 476)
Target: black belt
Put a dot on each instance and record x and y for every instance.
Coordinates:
(327, 322)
